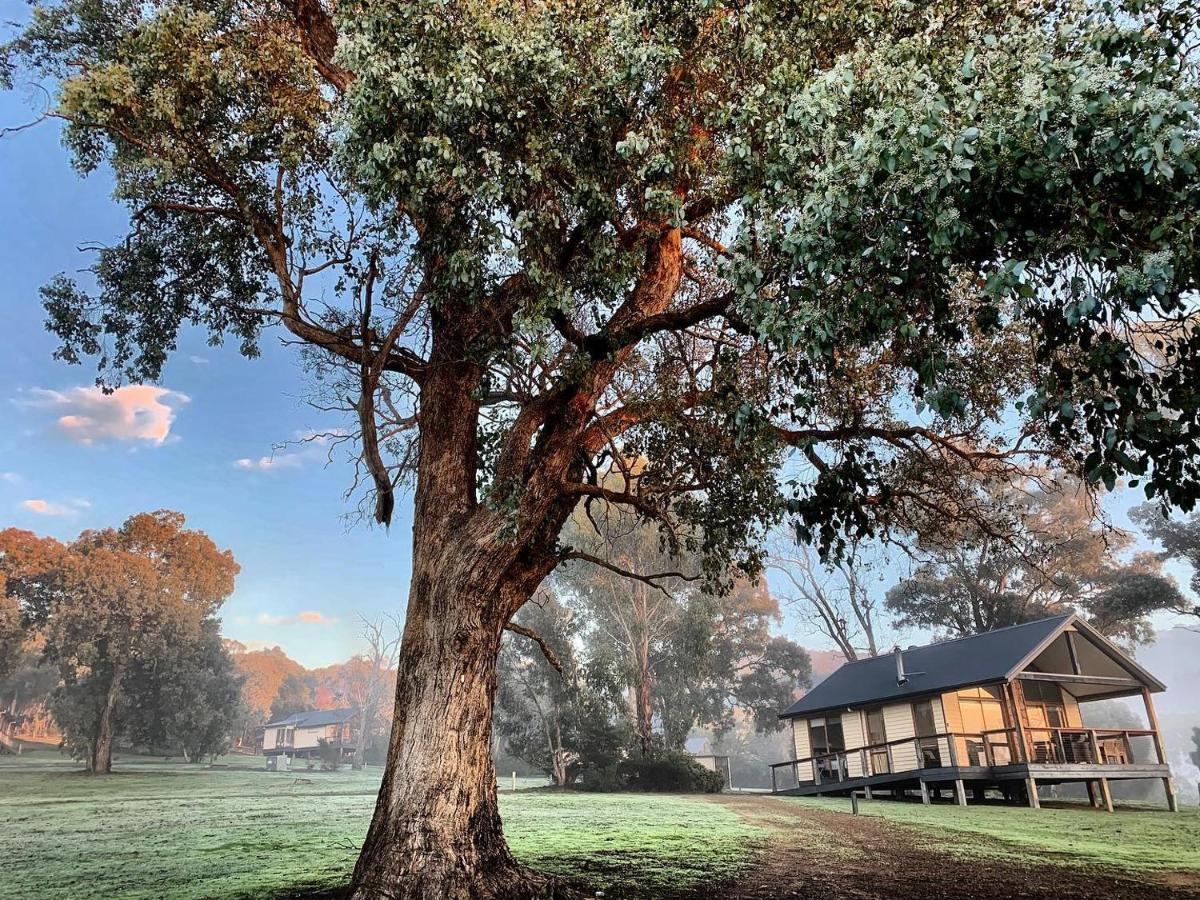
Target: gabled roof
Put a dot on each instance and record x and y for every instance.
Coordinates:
(315, 718)
(979, 659)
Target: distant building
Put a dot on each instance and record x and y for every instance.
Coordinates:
(998, 710)
(299, 736)
(700, 749)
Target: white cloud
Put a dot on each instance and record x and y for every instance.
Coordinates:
(309, 447)
(50, 508)
(139, 412)
(305, 617)
(198, 360)
(10, 478)
(269, 463)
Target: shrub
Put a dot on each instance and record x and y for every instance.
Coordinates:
(669, 770)
(330, 754)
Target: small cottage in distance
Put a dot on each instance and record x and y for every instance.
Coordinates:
(299, 736)
(999, 710)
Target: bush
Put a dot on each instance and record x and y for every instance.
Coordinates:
(669, 770)
(660, 770)
(330, 754)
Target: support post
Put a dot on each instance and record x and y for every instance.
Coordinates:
(960, 792)
(867, 791)
(1152, 721)
(1091, 789)
(1022, 739)
(1169, 787)
(1106, 794)
(774, 786)
(924, 792)
(1031, 790)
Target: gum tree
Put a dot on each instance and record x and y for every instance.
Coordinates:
(526, 243)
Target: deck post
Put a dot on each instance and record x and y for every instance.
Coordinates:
(774, 786)
(867, 789)
(1152, 721)
(1022, 741)
(924, 792)
(960, 792)
(1169, 787)
(1106, 794)
(1031, 790)
(1091, 788)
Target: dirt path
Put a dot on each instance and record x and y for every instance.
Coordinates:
(832, 856)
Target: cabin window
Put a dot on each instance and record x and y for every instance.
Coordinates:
(982, 711)
(828, 739)
(877, 736)
(926, 729)
(280, 737)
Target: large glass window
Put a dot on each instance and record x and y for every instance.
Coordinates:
(982, 711)
(827, 738)
(876, 735)
(926, 727)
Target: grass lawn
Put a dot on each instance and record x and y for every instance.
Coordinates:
(1137, 840)
(156, 829)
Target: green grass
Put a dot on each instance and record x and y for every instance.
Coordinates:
(156, 829)
(1137, 840)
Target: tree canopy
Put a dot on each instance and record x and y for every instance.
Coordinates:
(528, 243)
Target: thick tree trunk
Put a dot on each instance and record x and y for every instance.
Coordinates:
(436, 832)
(102, 744)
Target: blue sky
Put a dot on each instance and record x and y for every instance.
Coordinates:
(86, 461)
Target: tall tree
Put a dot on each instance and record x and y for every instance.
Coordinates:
(119, 596)
(1180, 540)
(551, 711)
(297, 693)
(834, 596)
(1054, 559)
(187, 697)
(367, 680)
(548, 235)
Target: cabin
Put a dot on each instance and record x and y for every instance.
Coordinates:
(994, 711)
(299, 736)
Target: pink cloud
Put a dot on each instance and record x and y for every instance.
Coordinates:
(305, 617)
(139, 412)
(50, 508)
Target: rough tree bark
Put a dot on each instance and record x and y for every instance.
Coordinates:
(100, 762)
(436, 832)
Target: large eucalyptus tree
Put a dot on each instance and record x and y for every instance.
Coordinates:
(529, 242)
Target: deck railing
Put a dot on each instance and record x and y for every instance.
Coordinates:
(995, 747)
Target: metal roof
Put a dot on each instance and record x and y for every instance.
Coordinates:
(315, 718)
(978, 659)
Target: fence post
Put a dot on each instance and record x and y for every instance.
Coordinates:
(854, 802)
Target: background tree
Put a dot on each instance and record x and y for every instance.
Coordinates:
(548, 236)
(12, 635)
(263, 673)
(110, 599)
(297, 693)
(368, 680)
(1180, 540)
(1195, 754)
(187, 697)
(1053, 558)
(551, 712)
(722, 663)
(833, 596)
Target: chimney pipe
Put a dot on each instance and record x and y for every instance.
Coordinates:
(901, 678)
